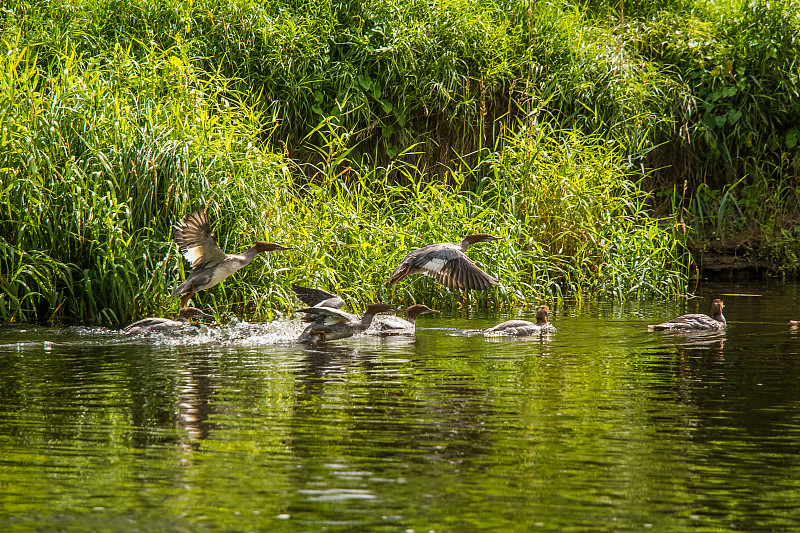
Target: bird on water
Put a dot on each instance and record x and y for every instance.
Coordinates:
(448, 264)
(523, 328)
(395, 325)
(696, 321)
(165, 325)
(210, 265)
(328, 323)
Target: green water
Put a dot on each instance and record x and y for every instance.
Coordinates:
(604, 426)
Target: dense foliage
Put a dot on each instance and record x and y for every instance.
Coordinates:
(356, 130)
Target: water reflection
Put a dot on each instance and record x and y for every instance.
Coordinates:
(600, 426)
(194, 407)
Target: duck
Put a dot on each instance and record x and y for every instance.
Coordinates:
(210, 265)
(395, 325)
(328, 323)
(448, 264)
(165, 325)
(696, 321)
(523, 328)
(317, 298)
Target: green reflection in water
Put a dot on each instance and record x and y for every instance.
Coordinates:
(603, 426)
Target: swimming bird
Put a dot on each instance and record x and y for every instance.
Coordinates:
(523, 328)
(329, 324)
(317, 298)
(696, 321)
(395, 325)
(165, 325)
(541, 319)
(210, 264)
(448, 264)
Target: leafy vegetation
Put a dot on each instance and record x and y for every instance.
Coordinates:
(355, 131)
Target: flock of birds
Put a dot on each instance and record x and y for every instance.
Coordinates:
(447, 263)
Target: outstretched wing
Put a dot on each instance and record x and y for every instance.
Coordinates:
(196, 242)
(317, 297)
(327, 315)
(446, 264)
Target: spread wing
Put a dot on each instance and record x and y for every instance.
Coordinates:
(327, 315)
(196, 242)
(446, 264)
(317, 297)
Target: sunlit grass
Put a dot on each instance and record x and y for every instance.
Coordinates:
(357, 131)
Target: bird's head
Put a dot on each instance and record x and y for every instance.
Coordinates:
(541, 314)
(478, 237)
(418, 309)
(262, 246)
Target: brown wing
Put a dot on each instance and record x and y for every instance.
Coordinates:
(327, 315)
(447, 264)
(196, 242)
(317, 297)
(462, 273)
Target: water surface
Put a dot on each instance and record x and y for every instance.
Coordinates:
(602, 426)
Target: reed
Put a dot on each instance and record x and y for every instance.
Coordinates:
(357, 130)
(111, 171)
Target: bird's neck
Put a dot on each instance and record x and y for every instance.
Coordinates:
(366, 321)
(248, 255)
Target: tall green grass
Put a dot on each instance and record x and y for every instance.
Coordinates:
(357, 130)
(100, 157)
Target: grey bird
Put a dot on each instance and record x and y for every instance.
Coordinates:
(696, 321)
(210, 265)
(523, 328)
(395, 325)
(448, 264)
(317, 298)
(329, 324)
(165, 325)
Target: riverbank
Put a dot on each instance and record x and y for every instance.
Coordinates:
(601, 144)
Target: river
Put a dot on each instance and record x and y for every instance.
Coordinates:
(602, 426)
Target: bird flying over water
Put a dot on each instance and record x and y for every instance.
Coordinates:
(448, 264)
(210, 265)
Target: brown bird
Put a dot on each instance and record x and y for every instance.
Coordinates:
(317, 298)
(330, 324)
(165, 325)
(696, 321)
(448, 264)
(210, 264)
(523, 328)
(395, 325)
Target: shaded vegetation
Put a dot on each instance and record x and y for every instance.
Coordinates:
(357, 130)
